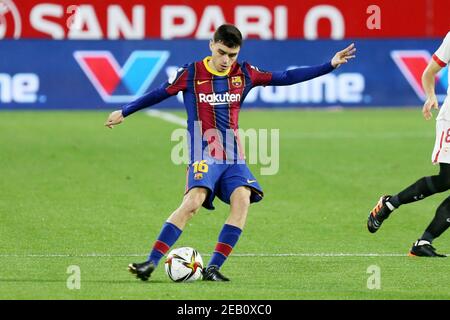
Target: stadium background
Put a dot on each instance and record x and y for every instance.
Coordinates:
(119, 49)
(34, 69)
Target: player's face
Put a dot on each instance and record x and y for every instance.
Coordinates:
(222, 56)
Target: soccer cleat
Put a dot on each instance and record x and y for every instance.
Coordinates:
(142, 270)
(423, 248)
(212, 273)
(378, 214)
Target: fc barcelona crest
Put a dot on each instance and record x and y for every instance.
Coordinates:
(198, 176)
(236, 81)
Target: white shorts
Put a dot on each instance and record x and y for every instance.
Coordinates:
(441, 152)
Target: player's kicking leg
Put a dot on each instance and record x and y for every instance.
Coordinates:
(170, 232)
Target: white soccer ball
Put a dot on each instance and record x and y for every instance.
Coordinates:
(184, 264)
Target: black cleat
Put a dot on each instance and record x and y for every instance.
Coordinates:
(378, 214)
(212, 273)
(142, 270)
(423, 248)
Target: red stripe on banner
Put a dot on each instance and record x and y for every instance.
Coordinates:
(439, 61)
(104, 72)
(223, 248)
(161, 247)
(440, 147)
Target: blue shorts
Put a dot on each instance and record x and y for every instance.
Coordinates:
(221, 179)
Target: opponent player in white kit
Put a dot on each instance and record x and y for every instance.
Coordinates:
(426, 186)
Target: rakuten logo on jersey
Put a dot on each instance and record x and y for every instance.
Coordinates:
(19, 88)
(215, 99)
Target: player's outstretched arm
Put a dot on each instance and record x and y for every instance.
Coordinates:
(297, 75)
(343, 56)
(428, 82)
(174, 85)
(153, 97)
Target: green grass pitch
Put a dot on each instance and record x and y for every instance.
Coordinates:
(76, 193)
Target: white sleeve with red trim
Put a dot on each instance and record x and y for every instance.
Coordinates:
(442, 55)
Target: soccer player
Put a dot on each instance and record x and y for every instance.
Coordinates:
(213, 91)
(426, 186)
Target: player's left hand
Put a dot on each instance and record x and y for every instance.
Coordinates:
(343, 56)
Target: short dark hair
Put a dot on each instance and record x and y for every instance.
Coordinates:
(229, 35)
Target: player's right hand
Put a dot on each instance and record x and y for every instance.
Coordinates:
(114, 118)
(431, 103)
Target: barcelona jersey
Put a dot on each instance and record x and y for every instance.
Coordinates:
(213, 101)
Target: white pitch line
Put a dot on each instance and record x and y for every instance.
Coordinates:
(169, 117)
(274, 255)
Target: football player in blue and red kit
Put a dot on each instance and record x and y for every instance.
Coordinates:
(213, 91)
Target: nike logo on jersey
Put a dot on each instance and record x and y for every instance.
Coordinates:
(250, 181)
(201, 82)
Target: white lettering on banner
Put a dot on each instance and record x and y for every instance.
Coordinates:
(254, 20)
(280, 23)
(10, 20)
(251, 20)
(177, 21)
(328, 12)
(20, 88)
(170, 14)
(40, 23)
(118, 23)
(330, 88)
(211, 19)
(84, 23)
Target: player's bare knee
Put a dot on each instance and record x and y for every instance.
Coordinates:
(241, 197)
(190, 207)
(194, 200)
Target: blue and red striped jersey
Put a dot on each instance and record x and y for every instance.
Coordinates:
(213, 101)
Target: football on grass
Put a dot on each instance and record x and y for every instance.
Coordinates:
(184, 264)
